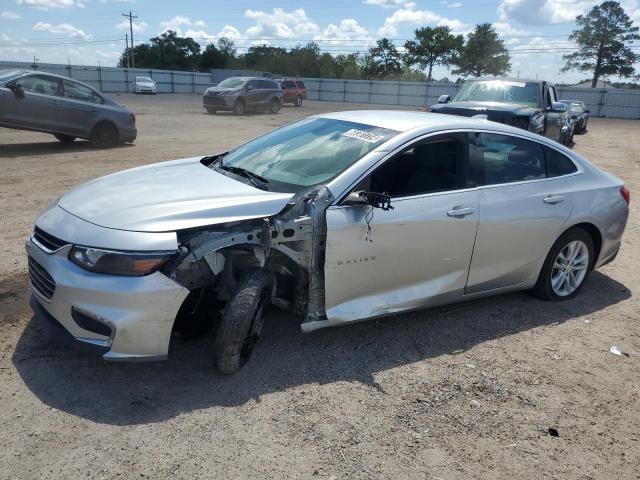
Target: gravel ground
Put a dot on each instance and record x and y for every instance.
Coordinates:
(467, 391)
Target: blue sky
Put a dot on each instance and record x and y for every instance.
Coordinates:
(92, 31)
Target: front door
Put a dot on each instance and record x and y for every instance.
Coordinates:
(417, 254)
(38, 107)
(554, 120)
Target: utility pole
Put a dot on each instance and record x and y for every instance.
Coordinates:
(131, 17)
(126, 50)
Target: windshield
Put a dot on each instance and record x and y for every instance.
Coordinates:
(144, 79)
(232, 82)
(499, 91)
(6, 75)
(307, 152)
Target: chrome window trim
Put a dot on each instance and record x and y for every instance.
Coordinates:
(390, 154)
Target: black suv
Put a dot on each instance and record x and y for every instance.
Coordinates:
(240, 94)
(528, 104)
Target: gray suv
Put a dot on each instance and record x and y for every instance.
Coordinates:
(66, 108)
(239, 94)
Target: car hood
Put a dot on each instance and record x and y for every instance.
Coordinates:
(479, 108)
(146, 84)
(169, 196)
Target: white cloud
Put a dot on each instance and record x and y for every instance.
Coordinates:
(406, 16)
(390, 3)
(137, 26)
(345, 33)
(48, 4)
(9, 15)
(230, 32)
(543, 12)
(454, 5)
(176, 22)
(4, 37)
(457, 27)
(62, 29)
(281, 24)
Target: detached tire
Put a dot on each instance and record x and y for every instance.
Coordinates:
(104, 135)
(567, 267)
(64, 138)
(242, 321)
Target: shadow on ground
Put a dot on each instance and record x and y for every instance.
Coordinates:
(125, 394)
(48, 148)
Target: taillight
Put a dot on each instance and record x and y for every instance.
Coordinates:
(626, 194)
(132, 119)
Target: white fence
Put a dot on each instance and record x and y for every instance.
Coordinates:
(111, 79)
(602, 103)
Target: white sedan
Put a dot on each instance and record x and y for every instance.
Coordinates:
(145, 85)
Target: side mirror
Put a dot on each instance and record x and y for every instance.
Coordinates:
(17, 90)
(248, 88)
(558, 107)
(587, 111)
(444, 98)
(373, 199)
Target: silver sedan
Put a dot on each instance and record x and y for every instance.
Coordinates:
(66, 108)
(338, 217)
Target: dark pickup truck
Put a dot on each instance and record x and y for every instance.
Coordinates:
(528, 104)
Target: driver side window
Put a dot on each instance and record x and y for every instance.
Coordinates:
(433, 165)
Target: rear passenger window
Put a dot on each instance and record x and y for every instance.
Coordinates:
(77, 91)
(496, 159)
(288, 84)
(558, 164)
(266, 84)
(300, 84)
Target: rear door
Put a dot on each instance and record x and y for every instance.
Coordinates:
(38, 108)
(253, 93)
(79, 108)
(522, 208)
(417, 254)
(555, 120)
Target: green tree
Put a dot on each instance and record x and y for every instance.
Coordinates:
(383, 60)
(221, 56)
(482, 54)
(347, 66)
(167, 51)
(601, 36)
(433, 46)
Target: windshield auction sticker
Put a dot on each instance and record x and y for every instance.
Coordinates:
(362, 135)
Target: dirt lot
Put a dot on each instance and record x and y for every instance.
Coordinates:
(468, 391)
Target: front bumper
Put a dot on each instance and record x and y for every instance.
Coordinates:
(219, 102)
(136, 313)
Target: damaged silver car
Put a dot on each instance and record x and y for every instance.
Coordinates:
(338, 218)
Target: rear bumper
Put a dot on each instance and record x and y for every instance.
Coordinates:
(128, 134)
(123, 318)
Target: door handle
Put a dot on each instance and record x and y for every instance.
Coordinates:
(53, 102)
(553, 199)
(93, 109)
(460, 212)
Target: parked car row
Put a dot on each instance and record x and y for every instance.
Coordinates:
(243, 94)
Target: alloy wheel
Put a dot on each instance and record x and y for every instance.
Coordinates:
(570, 268)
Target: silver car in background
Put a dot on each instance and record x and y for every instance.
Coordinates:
(241, 94)
(66, 108)
(338, 218)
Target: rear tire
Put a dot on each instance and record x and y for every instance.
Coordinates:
(64, 138)
(298, 101)
(239, 108)
(562, 277)
(242, 321)
(104, 135)
(274, 106)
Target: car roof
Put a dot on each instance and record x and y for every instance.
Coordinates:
(403, 121)
(506, 79)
